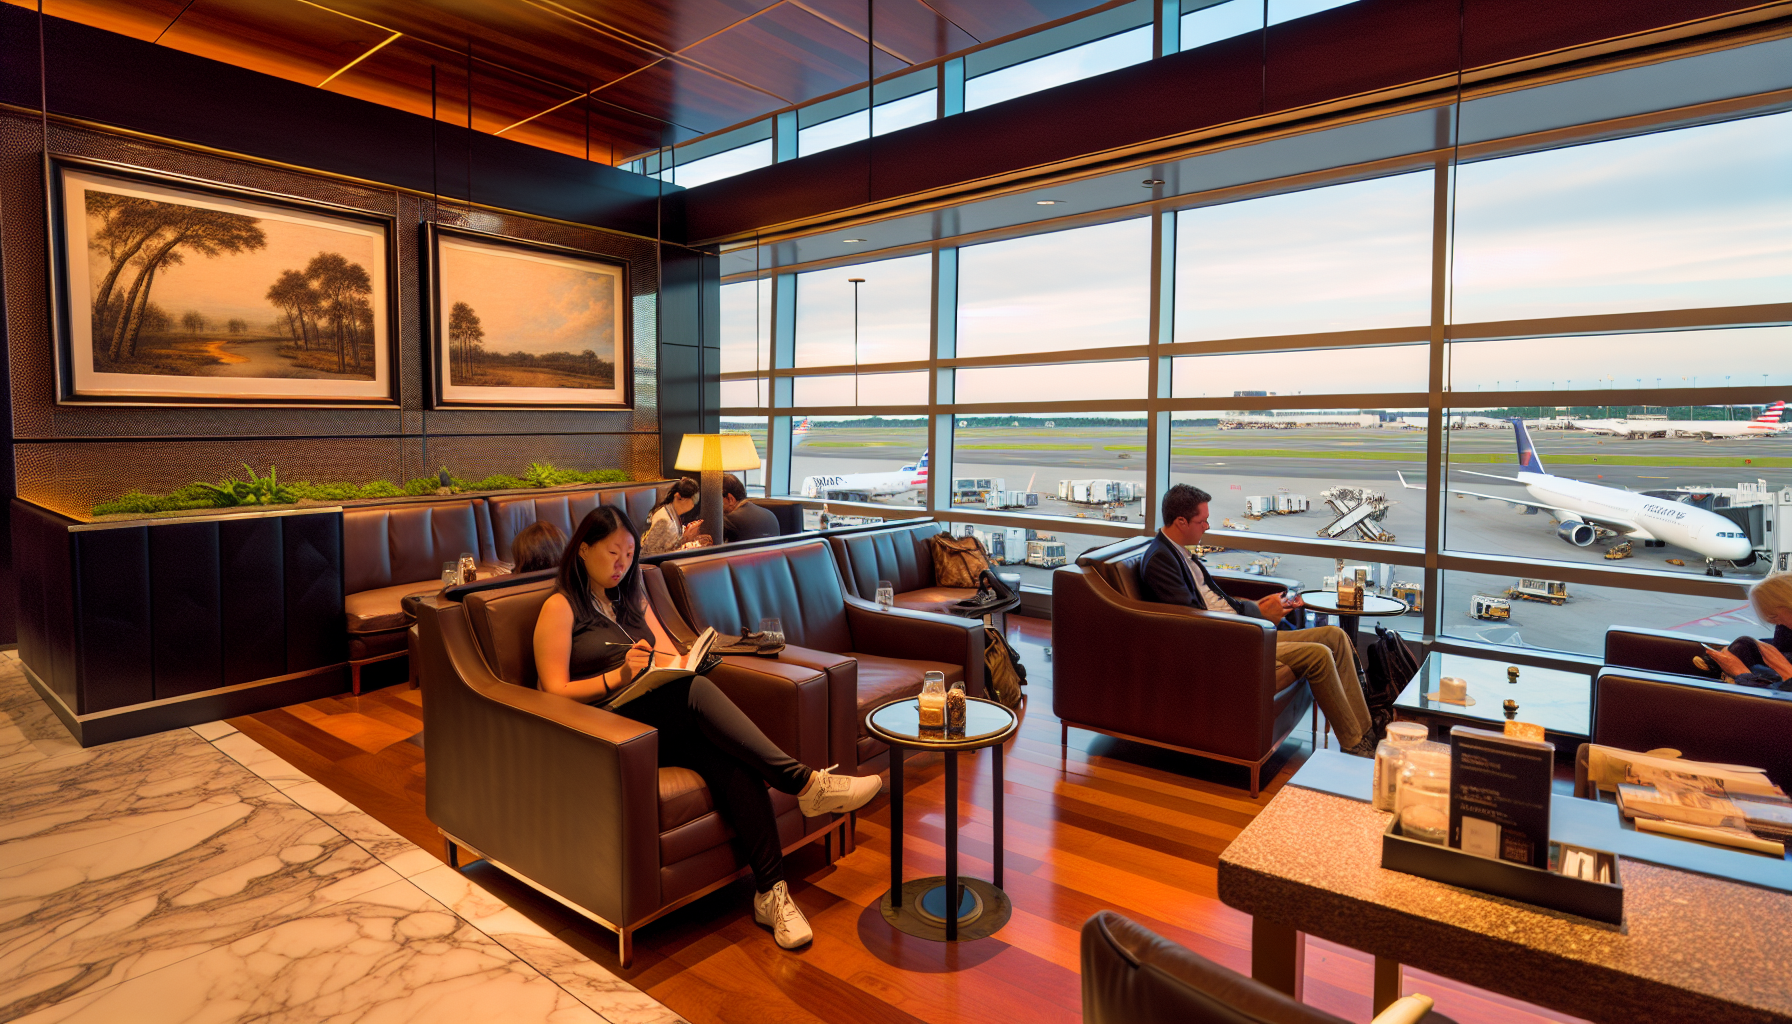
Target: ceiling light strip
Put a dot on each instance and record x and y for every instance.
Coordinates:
(357, 60)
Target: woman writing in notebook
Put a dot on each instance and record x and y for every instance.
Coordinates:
(597, 632)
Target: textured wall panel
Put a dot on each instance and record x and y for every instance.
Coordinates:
(185, 604)
(313, 555)
(112, 605)
(178, 445)
(252, 559)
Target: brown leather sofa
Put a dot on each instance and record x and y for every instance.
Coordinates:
(1204, 683)
(511, 514)
(571, 799)
(1132, 975)
(393, 551)
(871, 656)
(904, 556)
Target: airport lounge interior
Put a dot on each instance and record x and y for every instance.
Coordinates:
(1128, 491)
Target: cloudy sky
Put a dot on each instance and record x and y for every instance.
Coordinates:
(529, 303)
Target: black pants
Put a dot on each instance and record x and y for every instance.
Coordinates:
(701, 729)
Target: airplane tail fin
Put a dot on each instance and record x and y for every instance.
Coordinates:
(1528, 459)
(1771, 416)
(1408, 486)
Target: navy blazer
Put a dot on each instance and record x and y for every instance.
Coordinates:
(1164, 577)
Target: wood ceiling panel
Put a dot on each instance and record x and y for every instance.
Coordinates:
(689, 97)
(615, 134)
(139, 19)
(909, 29)
(526, 37)
(791, 53)
(992, 19)
(670, 25)
(286, 38)
(399, 76)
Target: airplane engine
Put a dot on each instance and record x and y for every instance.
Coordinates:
(1576, 533)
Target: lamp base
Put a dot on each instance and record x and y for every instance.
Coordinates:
(710, 501)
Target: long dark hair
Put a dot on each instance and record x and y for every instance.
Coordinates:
(684, 488)
(574, 583)
(538, 547)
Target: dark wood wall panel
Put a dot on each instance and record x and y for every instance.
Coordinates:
(186, 606)
(252, 567)
(313, 569)
(112, 628)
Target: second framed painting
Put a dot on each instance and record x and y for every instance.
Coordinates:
(523, 325)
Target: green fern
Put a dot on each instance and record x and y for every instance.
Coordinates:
(257, 490)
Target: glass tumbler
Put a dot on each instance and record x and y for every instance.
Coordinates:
(933, 700)
(1424, 796)
(773, 629)
(450, 574)
(467, 565)
(886, 594)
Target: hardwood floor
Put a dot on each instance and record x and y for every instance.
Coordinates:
(1115, 825)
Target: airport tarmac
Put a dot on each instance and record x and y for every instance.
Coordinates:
(1233, 465)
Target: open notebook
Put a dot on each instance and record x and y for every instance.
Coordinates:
(696, 661)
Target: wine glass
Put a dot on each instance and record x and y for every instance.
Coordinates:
(886, 594)
(773, 629)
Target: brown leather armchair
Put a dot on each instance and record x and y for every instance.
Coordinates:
(1132, 975)
(1704, 719)
(904, 556)
(1204, 683)
(871, 656)
(571, 799)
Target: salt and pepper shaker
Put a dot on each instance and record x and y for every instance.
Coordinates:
(933, 700)
(1511, 673)
(955, 707)
(1511, 707)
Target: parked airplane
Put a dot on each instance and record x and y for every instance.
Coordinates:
(1579, 507)
(1765, 425)
(869, 486)
(801, 428)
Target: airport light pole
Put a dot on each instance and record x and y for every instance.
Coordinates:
(856, 281)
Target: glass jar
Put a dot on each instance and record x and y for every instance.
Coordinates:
(886, 595)
(933, 700)
(955, 707)
(1424, 794)
(1390, 756)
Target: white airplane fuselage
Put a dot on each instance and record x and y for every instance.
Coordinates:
(1687, 526)
(898, 484)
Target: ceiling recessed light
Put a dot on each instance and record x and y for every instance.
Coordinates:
(1152, 182)
(850, 241)
(1047, 202)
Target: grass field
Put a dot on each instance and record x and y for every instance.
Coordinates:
(1041, 447)
(853, 444)
(496, 375)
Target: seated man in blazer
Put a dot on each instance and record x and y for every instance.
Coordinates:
(741, 518)
(1171, 575)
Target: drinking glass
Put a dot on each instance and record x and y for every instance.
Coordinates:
(886, 594)
(450, 574)
(773, 629)
(932, 701)
(467, 563)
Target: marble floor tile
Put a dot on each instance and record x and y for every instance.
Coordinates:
(261, 761)
(102, 913)
(29, 730)
(391, 954)
(618, 1001)
(213, 730)
(397, 852)
(102, 793)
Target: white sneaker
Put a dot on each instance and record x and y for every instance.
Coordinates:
(777, 910)
(836, 794)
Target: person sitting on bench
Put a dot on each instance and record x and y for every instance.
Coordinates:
(1170, 574)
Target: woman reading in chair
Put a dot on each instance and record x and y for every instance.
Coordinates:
(597, 632)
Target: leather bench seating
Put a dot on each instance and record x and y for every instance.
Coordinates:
(1205, 683)
(392, 551)
(871, 656)
(904, 556)
(571, 798)
(511, 514)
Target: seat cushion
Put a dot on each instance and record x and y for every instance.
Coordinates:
(382, 610)
(934, 599)
(689, 824)
(882, 680)
(684, 797)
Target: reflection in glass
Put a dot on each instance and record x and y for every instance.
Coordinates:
(1057, 382)
(1078, 62)
(722, 165)
(892, 324)
(885, 117)
(1681, 219)
(871, 389)
(1578, 626)
(1269, 471)
(1339, 258)
(1078, 289)
(1339, 371)
(1660, 359)
(746, 326)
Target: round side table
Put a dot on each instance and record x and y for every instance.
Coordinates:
(919, 907)
(1374, 606)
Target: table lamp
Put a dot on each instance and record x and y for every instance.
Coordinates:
(712, 455)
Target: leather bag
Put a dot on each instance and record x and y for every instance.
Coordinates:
(1004, 674)
(958, 561)
(1392, 664)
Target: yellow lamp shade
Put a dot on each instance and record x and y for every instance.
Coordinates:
(717, 452)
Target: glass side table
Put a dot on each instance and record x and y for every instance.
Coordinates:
(919, 907)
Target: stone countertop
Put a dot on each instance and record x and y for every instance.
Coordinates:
(1693, 948)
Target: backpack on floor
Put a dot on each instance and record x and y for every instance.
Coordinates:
(1391, 665)
(1004, 675)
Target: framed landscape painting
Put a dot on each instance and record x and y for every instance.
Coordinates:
(186, 293)
(522, 325)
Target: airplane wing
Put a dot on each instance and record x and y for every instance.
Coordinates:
(1623, 526)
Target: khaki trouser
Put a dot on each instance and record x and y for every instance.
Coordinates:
(1323, 655)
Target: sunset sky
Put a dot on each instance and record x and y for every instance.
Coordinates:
(528, 303)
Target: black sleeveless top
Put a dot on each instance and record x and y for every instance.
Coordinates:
(591, 654)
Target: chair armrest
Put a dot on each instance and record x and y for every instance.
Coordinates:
(502, 756)
(1654, 649)
(1250, 586)
(903, 633)
(788, 702)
